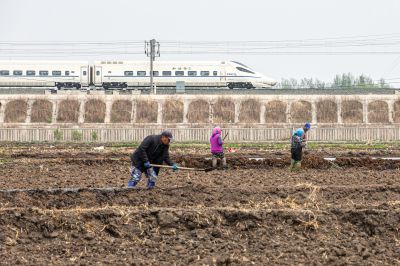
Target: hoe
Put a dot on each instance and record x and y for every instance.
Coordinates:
(184, 168)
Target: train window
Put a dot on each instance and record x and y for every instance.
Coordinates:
(179, 73)
(67, 73)
(156, 73)
(56, 73)
(97, 73)
(43, 73)
(17, 72)
(192, 73)
(166, 73)
(244, 70)
(84, 73)
(128, 73)
(4, 72)
(204, 73)
(30, 72)
(141, 73)
(215, 73)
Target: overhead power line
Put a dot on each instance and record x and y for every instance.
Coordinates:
(385, 44)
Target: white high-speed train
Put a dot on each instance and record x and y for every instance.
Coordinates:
(130, 74)
(61, 74)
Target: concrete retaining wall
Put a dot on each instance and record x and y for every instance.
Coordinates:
(91, 110)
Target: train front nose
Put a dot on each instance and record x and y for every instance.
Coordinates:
(269, 81)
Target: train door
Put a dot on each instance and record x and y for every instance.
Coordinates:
(222, 77)
(84, 76)
(98, 76)
(91, 76)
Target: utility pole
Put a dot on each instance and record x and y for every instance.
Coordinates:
(152, 50)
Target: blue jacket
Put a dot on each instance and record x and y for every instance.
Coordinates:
(297, 140)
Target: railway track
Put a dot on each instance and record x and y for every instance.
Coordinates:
(210, 90)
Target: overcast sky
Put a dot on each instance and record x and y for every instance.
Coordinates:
(215, 20)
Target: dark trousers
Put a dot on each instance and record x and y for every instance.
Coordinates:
(297, 153)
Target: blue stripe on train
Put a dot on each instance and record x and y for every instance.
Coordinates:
(181, 77)
(40, 76)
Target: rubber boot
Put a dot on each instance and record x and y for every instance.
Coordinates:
(292, 164)
(151, 183)
(136, 175)
(224, 165)
(132, 183)
(214, 162)
(297, 166)
(151, 178)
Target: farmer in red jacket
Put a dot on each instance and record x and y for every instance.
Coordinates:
(217, 150)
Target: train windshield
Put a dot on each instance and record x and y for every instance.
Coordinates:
(242, 69)
(243, 65)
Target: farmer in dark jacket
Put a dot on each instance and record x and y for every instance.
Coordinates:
(153, 150)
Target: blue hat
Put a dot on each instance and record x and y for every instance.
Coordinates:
(299, 132)
(307, 126)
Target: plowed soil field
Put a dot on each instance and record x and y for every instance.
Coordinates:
(70, 205)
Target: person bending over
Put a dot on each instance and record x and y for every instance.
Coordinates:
(153, 150)
(298, 142)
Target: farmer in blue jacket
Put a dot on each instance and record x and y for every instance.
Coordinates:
(298, 142)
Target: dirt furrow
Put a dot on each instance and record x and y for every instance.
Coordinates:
(313, 196)
(201, 236)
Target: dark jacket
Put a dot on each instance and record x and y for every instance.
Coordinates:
(151, 150)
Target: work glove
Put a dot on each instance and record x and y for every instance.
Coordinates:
(175, 167)
(147, 165)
